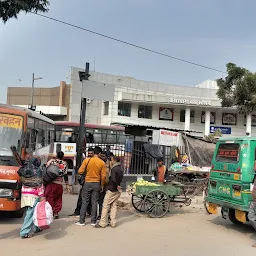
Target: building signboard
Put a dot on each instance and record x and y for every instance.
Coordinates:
(166, 114)
(229, 118)
(190, 102)
(165, 138)
(223, 130)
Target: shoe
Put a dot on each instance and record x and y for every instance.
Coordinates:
(80, 224)
(98, 226)
(254, 245)
(56, 216)
(93, 224)
(73, 215)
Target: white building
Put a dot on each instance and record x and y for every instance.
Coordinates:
(159, 105)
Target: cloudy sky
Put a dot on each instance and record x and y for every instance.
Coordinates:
(209, 32)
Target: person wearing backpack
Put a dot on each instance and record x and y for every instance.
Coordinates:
(32, 192)
(54, 190)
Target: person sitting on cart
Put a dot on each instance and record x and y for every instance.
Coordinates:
(160, 172)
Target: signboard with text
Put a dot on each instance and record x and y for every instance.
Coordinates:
(166, 114)
(223, 130)
(165, 138)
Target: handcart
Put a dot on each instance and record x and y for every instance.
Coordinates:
(156, 200)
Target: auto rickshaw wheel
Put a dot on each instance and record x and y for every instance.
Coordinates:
(232, 217)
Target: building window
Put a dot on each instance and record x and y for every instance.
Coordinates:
(106, 108)
(124, 109)
(192, 116)
(145, 112)
(212, 117)
(183, 116)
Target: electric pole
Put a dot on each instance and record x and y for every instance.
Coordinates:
(81, 145)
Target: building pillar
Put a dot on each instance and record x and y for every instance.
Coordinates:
(207, 122)
(249, 124)
(187, 119)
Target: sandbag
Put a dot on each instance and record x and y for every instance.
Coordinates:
(43, 215)
(50, 173)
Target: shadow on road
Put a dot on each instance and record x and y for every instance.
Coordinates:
(56, 231)
(244, 228)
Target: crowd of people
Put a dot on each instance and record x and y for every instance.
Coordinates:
(100, 178)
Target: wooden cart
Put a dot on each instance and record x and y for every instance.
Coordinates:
(155, 200)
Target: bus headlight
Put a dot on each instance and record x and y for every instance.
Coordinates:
(5, 192)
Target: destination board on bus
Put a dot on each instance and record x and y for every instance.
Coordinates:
(11, 121)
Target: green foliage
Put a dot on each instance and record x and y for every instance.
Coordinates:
(238, 89)
(214, 136)
(11, 8)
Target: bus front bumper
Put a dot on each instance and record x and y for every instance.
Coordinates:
(10, 205)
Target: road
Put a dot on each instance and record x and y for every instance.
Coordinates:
(187, 231)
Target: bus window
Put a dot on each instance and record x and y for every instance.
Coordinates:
(110, 137)
(121, 137)
(97, 136)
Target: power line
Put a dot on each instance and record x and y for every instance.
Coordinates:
(128, 43)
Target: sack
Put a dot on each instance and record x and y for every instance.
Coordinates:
(81, 177)
(43, 215)
(31, 173)
(50, 173)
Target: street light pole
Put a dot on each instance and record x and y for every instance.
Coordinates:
(32, 90)
(82, 132)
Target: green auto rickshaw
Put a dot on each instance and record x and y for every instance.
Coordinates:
(231, 178)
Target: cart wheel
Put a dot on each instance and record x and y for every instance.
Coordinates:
(188, 202)
(138, 202)
(156, 203)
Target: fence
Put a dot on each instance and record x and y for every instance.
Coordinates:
(139, 158)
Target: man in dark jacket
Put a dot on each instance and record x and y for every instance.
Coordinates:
(113, 193)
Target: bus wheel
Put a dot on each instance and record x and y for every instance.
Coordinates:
(18, 214)
(232, 217)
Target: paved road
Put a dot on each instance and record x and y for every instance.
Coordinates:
(184, 232)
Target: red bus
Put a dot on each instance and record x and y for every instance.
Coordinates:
(31, 134)
(66, 137)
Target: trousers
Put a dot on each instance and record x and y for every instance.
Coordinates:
(90, 193)
(110, 203)
(28, 224)
(53, 194)
(252, 214)
(79, 204)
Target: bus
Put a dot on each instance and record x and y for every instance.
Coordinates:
(32, 134)
(66, 137)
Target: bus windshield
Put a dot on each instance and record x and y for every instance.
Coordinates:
(66, 136)
(10, 135)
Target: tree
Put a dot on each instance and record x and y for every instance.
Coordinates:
(11, 8)
(238, 89)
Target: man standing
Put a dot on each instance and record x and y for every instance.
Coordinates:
(79, 200)
(113, 194)
(160, 172)
(95, 179)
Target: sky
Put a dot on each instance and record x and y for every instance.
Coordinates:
(208, 32)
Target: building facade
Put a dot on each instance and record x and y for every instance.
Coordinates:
(154, 105)
(196, 109)
(53, 102)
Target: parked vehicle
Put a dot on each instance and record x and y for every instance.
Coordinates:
(29, 133)
(231, 178)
